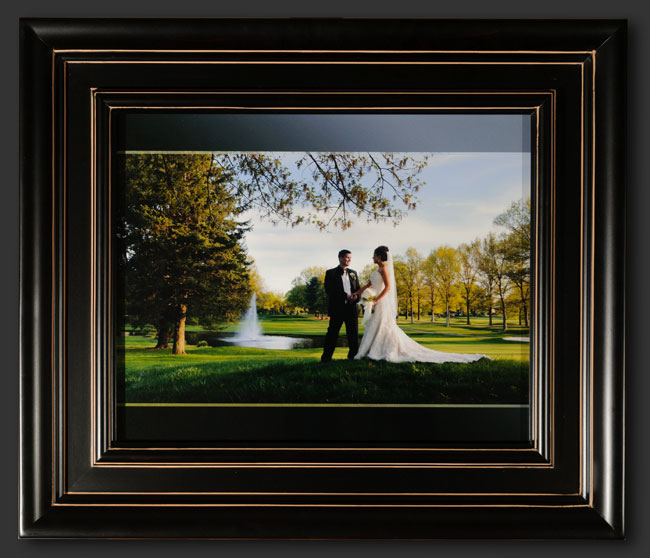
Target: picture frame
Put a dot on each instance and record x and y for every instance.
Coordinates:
(566, 483)
(151, 408)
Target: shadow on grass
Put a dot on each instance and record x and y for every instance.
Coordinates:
(339, 381)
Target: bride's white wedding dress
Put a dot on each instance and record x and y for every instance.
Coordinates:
(384, 340)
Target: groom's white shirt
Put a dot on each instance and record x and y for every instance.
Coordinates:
(345, 277)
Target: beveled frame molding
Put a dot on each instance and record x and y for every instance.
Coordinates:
(580, 497)
(108, 447)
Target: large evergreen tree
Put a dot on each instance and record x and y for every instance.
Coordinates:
(312, 294)
(182, 244)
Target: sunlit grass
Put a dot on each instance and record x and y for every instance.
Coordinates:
(301, 380)
(239, 374)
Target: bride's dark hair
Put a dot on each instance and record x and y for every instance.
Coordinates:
(382, 252)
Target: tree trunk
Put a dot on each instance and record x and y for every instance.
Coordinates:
(411, 310)
(524, 308)
(179, 331)
(468, 311)
(505, 317)
(520, 316)
(164, 334)
(447, 313)
(490, 313)
(418, 308)
(525, 315)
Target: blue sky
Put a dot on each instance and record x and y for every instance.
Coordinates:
(462, 195)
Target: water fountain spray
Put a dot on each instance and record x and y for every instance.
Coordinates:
(250, 328)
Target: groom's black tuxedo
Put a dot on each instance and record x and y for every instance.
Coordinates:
(341, 310)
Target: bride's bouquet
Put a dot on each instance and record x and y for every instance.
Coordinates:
(367, 301)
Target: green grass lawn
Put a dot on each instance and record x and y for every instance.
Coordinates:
(248, 375)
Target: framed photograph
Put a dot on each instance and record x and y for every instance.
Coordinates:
(291, 212)
(322, 278)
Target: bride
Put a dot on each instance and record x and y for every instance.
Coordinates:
(383, 339)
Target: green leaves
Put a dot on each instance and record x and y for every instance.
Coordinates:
(332, 189)
(180, 238)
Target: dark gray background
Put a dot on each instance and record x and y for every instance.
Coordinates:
(638, 516)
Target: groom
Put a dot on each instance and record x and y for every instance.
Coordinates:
(340, 283)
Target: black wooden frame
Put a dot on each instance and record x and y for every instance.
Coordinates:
(568, 483)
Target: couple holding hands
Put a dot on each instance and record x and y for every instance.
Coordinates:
(383, 339)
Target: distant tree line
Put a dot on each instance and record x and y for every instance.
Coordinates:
(490, 275)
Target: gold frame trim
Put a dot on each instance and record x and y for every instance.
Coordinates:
(233, 505)
(314, 51)
(592, 277)
(321, 62)
(114, 464)
(235, 493)
(279, 108)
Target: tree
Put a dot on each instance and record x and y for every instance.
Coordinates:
(519, 274)
(306, 274)
(322, 302)
(468, 256)
(447, 268)
(308, 291)
(366, 272)
(501, 267)
(296, 296)
(341, 186)
(414, 264)
(181, 244)
(409, 274)
(522, 284)
(516, 219)
(486, 267)
(312, 294)
(272, 303)
(403, 289)
(429, 282)
(256, 283)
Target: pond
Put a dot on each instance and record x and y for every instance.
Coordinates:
(278, 342)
